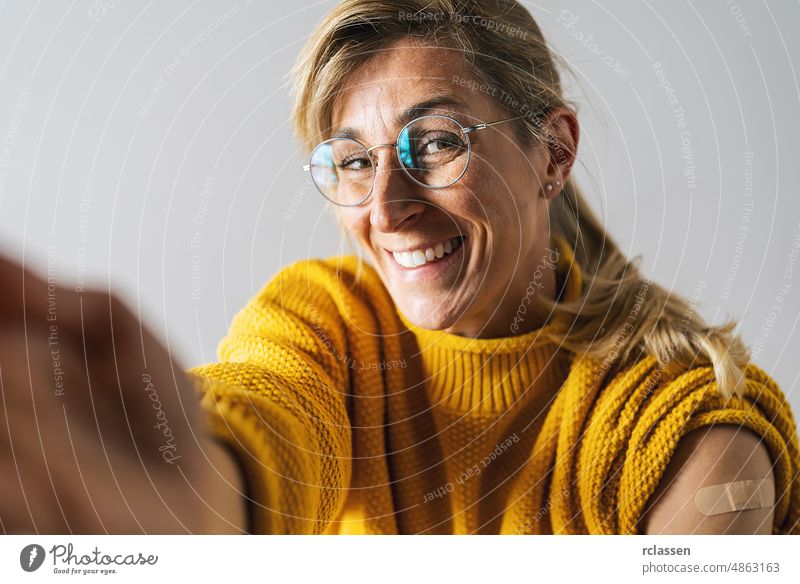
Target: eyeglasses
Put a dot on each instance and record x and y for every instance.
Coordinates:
(434, 151)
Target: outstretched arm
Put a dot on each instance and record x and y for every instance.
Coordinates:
(278, 398)
(100, 428)
(228, 486)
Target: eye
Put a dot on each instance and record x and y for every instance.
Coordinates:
(354, 163)
(439, 144)
(436, 144)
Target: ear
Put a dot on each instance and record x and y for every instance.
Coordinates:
(561, 130)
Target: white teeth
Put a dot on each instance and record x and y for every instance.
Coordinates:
(402, 257)
(419, 257)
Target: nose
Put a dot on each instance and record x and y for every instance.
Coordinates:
(396, 201)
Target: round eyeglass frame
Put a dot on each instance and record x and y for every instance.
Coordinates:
(396, 145)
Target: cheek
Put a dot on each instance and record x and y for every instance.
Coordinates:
(488, 200)
(354, 223)
(507, 215)
(509, 190)
(479, 192)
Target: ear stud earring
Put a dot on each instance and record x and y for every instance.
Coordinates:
(549, 186)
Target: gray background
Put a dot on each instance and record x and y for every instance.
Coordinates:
(148, 147)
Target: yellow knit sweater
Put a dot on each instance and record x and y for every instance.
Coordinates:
(348, 419)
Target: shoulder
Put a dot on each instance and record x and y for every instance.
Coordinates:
(335, 283)
(337, 292)
(651, 439)
(316, 271)
(343, 275)
(705, 459)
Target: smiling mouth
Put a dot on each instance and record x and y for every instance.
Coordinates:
(420, 257)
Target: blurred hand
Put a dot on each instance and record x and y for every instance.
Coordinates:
(99, 426)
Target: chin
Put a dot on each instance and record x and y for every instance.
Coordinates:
(427, 315)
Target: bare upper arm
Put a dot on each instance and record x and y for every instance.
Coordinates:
(709, 456)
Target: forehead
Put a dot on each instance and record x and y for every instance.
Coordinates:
(403, 74)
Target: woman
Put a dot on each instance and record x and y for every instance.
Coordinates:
(498, 365)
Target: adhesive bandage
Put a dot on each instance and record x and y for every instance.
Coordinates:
(737, 496)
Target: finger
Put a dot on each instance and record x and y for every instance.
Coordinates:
(15, 279)
(38, 302)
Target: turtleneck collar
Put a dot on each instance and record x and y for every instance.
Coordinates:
(479, 377)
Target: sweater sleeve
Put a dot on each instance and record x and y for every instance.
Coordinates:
(278, 398)
(634, 429)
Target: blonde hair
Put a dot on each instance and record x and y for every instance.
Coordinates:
(621, 315)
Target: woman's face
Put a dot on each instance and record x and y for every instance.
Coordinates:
(494, 218)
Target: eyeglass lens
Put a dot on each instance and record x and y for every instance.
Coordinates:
(433, 150)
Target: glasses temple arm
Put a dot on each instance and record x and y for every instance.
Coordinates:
(477, 127)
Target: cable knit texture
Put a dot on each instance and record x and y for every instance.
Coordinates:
(349, 419)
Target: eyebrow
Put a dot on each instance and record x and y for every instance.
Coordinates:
(422, 108)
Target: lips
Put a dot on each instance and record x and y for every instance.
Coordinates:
(419, 257)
